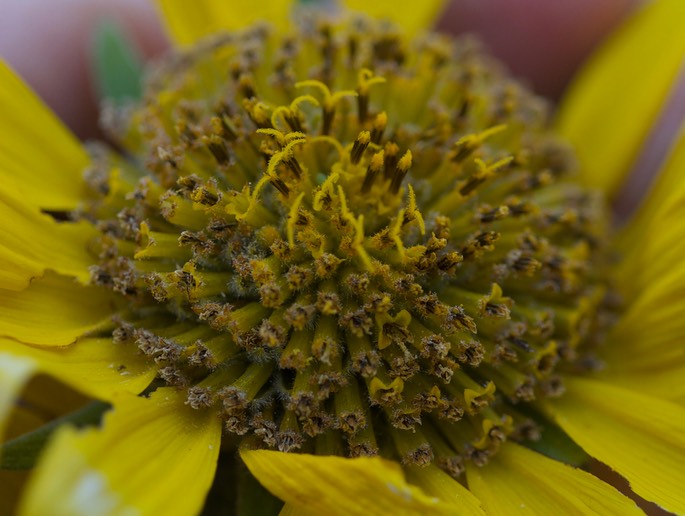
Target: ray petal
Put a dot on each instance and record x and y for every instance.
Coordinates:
(339, 486)
(614, 103)
(520, 481)
(39, 158)
(95, 367)
(436, 482)
(34, 243)
(653, 242)
(53, 311)
(641, 437)
(151, 456)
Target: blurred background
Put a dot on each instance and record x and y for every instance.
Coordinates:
(50, 42)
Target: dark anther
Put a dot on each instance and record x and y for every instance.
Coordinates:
(491, 215)
(328, 116)
(246, 86)
(526, 264)
(472, 183)
(358, 322)
(400, 171)
(294, 120)
(471, 352)
(521, 344)
(497, 310)
(390, 158)
(518, 209)
(327, 53)
(188, 183)
(294, 167)
(359, 146)
(457, 319)
(365, 364)
(453, 466)
(449, 261)
(406, 419)
(421, 456)
(352, 422)
(379, 124)
(373, 171)
(217, 146)
(204, 196)
(389, 48)
(352, 47)
(280, 185)
(463, 111)
(288, 440)
(463, 149)
(362, 107)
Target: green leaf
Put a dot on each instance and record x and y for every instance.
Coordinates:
(117, 64)
(23, 451)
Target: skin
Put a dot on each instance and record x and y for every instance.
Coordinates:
(47, 41)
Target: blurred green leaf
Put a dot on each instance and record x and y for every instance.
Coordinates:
(117, 64)
(22, 452)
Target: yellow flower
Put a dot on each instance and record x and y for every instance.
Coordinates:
(337, 246)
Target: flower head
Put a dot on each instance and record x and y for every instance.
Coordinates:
(350, 253)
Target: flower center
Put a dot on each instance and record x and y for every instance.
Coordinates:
(344, 243)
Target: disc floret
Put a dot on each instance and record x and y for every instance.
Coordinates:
(348, 244)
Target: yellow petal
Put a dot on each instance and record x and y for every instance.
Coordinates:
(651, 329)
(95, 367)
(187, 22)
(33, 243)
(291, 510)
(53, 311)
(640, 437)
(653, 242)
(420, 16)
(614, 103)
(15, 372)
(644, 348)
(151, 456)
(662, 382)
(338, 486)
(520, 481)
(434, 481)
(39, 157)
(41, 164)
